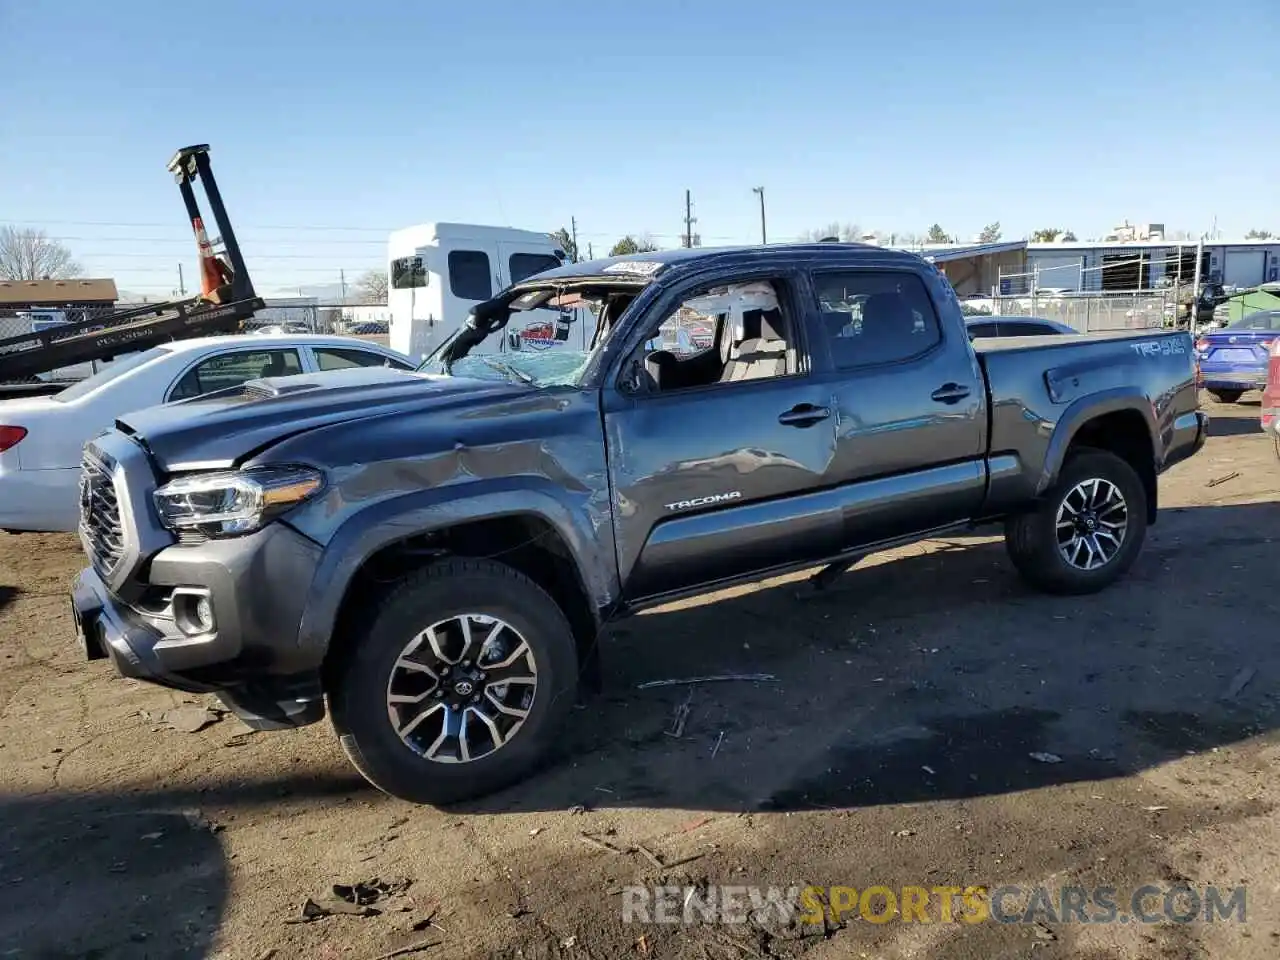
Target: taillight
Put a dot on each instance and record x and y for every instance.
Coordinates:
(11, 436)
(1271, 393)
(1202, 345)
(1266, 344)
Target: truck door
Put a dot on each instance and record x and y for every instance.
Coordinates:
(716, 460)
(909, 405)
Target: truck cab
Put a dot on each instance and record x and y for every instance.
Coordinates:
(437, 272)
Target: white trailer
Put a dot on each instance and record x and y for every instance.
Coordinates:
(438, 271)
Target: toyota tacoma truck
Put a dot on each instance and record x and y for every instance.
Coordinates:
(429, 557)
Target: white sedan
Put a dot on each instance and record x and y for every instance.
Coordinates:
(42, 438)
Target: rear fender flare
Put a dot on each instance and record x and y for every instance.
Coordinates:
(1081, 412)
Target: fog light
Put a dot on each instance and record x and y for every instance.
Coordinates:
(204, 613)
(193, 611)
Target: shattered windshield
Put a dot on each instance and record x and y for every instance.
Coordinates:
(546, 339)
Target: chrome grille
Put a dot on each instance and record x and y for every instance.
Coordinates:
(100, 529)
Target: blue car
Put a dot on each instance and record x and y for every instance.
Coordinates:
(1233, 360)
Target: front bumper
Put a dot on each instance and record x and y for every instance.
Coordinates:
(256, 586)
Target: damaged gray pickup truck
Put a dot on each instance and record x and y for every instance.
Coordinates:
(432, 555)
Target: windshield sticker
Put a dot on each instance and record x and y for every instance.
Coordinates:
(544, 334)
(640, 268)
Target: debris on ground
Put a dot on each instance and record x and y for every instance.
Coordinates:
(929, 770)
(1219, 480)
(650, 856)
(716, 748)
(412, 948)
(370, 891)
(535, 831)
(1239, 682)
(904, 833)
(1043, 934)
(190, 719)
(577, 808)
(313, 910)
(599, 844)
(1045, 757)
(197, 821)
(758, 677)
(681, 717)
(695, 824)
(1154, 809)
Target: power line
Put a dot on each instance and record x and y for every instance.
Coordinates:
(248, 226)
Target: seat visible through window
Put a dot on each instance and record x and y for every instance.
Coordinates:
(762, 350)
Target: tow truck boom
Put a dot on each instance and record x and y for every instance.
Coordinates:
(226, 300)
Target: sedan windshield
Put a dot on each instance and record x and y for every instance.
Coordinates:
(107, 374)
(1262, 320)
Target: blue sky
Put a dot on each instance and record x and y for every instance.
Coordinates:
(360, 118)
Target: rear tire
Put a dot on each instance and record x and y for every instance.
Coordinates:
(1068, 543)
(1226, 396)
(394, 701)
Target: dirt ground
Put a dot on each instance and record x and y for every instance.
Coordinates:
(893, 747)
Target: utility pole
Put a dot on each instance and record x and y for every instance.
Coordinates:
(182, 285)
(1195, 289)
(342, 281)
(591, 254)
(763, 236)
(689, 219)
(573, 232)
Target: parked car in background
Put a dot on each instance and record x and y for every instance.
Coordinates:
(42, 438)
(1271, 396)
(1233, 360)
(1016, 327)
(275, 329)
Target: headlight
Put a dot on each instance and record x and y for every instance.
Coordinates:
(234, 502)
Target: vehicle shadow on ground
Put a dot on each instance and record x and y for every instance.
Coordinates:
(1235, 425)
(934, 676)
(7, 596)
(122, 876)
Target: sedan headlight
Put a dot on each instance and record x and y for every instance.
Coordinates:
(234, 502)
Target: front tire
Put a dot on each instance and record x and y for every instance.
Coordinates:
(456, 684)
(1086, 531)
(1226, 396)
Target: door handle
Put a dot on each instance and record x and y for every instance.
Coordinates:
(950, 393)
(805, 415)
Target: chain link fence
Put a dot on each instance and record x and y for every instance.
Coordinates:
(1095, 312)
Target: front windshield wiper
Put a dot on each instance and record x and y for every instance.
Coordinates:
(503, 367)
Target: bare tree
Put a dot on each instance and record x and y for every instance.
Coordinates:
(990, 233)
(372, 286)
(1259, 235)
(31, 255)
(830, 230)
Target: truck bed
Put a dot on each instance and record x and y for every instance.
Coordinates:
(1035, 385)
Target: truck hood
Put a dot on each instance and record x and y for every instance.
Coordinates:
(219, 430)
